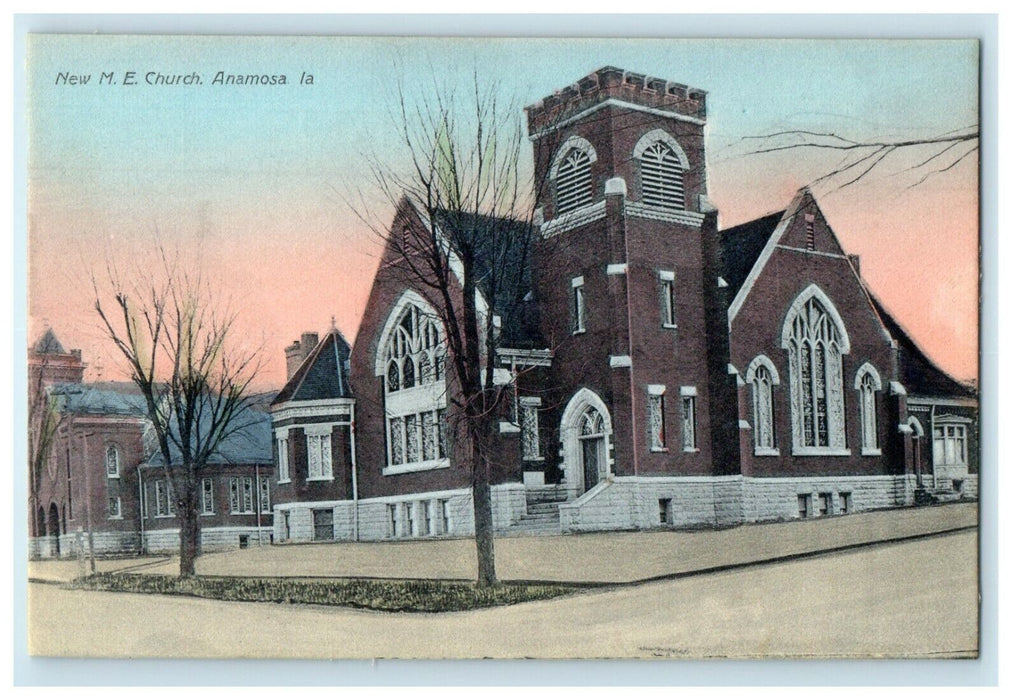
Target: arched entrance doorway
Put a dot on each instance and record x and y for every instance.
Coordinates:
(53, 528)
(586, 433)
(915, 451)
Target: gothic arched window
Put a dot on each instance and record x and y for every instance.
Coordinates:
(868, 383)
(415, 391)
(762, 377)
(815, 339)
(573, 181)
(661, 177)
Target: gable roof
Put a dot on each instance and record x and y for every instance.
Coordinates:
(742, 245)
(324, 373)
(47, 344)
(250, 443)
(917, 372)
(502, 249)
(88, 399)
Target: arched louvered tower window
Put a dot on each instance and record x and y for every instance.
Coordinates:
(661, 177)
(573, 181)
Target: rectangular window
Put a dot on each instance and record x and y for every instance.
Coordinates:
(447, 517)
(162, 499)
(824, 504)
(530, 447)
(323, 522)
(689, 424)
(666, 298)
(427, 508)
(578, 305)
(283, 457)
(394, 530)
(665, 511)
(320, 456)
(656, 417)
(264, 503)
(810, 231)
(803, 505)
(208, 500)
(114, 507)
(949, 445)
(408, 512)
(241, 496)
(844, 502)
(413, 435)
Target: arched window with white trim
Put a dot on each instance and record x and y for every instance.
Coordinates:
(661, 177)
(868, 383)
(573, 181)
(112, 461)
(815, 338)
(662, 166)
(415, 388)
(763, 378)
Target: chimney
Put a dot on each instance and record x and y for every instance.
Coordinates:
(298, 350)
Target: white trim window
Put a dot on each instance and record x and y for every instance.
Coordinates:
(814, 338)
(950, 445)
(579, 304)
(573, 186)
(530, 440)
(164, 500)
(689, 423)
(868, 384)
(264, 502)
(112, 462)
(656, 417)
(242, 501)
(415, 384)
(661, 177)
(667, 297)
(319, 440)
(113, 508)
(208, 497)
(283, 457)
(762, 382)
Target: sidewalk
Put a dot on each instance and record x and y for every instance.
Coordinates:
(616, 557)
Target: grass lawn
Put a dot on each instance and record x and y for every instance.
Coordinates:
(373, 594)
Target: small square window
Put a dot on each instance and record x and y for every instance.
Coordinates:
(824, 504)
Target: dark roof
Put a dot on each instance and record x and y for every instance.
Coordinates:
(742, 245)
(48, 344)
(324, 373)
(87, 399)
(250, 443)
(918, 373)
(502, 250)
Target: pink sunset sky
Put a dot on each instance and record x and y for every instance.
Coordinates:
(256, 180)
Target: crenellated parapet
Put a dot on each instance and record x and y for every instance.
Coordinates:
(615, 83)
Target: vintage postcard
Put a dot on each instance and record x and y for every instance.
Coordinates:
(502, 348)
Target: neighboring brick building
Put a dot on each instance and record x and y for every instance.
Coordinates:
(663, 372)
(104, 448)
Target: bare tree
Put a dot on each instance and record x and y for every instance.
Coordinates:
(925, 156)
(465, 213)
(177, 339)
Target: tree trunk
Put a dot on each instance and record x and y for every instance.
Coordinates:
(190, 534)
(484, 539)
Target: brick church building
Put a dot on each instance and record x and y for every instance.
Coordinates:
(102, 480)
(662, 372)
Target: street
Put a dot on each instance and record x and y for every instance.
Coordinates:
(911, 599)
